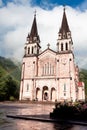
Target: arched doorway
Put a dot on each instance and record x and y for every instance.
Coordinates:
(53, 94)
(37, 93)
(45, 94)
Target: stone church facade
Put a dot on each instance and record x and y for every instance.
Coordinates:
(50, 75)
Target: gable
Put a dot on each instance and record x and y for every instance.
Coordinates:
(46, 63)
(47, 54)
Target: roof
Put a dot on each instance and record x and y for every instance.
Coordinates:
(48, 49)
(64, 26)
(34, 31)
(80, 84)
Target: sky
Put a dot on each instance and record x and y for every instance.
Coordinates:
(16, 17)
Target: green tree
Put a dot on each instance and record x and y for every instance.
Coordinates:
(11, 88)
(83, 77)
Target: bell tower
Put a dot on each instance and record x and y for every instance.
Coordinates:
(32, 46)
(65, 43)
(30, 63)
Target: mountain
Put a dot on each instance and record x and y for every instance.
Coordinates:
(8, 67)
(9, 79)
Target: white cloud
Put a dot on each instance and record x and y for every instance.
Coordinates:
(1, 3)
(16, 21)
(46, 4)
(23, 2)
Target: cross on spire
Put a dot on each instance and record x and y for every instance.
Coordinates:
(35, 13)
(64, 7)
(48, 45)
(34, 31)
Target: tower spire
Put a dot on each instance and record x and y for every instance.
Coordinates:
(64, 26)
(33, 36)
(64, 40)
(32, 46)
(64, 8)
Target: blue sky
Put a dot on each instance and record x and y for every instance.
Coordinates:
(72, 3)
(16, 18)
(50, 3)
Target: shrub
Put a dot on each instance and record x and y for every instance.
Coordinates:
(12, 98)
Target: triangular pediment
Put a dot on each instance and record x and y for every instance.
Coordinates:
(47, 54)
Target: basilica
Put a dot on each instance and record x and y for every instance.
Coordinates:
(50, 75)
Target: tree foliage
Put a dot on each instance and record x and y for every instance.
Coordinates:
(9, 88)
(9, 79)
(83, 77)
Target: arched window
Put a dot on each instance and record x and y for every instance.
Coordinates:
(43, 70)
(28, 50)
(48, 69)
(64, 87)
(35, 49)
(32, 49)
(61, 46)
(52, 70)
(66, 46)
(27, 89)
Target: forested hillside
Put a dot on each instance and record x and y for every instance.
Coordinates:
(83, 77)
(9, 79)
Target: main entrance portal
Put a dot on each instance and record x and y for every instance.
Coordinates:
(45, 95)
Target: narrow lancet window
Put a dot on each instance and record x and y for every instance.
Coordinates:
(28, 50)
(66, 46)
(27, 87)
(32, 50)
(61, 46)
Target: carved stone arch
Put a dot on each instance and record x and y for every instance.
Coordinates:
(53, 94)
(45, 93)
(38, 92)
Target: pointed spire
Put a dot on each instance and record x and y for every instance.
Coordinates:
(64, 36)
(33, 36)
(64, 26)
(34, 31)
